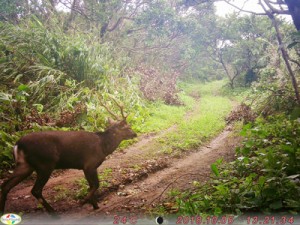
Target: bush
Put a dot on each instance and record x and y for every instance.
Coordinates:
(264, 177)
(52, 80)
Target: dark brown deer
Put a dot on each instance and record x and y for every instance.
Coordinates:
(46, 151)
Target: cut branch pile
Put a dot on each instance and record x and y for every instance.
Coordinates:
(241, 113)
(157, 85)
(67, 118)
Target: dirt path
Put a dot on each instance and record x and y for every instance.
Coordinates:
(179, 174)
(140, 177)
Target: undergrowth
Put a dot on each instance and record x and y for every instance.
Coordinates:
(239, 94)
(264, 177)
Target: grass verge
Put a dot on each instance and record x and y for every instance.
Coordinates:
(206, 120)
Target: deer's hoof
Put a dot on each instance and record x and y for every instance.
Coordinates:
(95, 206)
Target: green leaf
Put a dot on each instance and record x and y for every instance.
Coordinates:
(245, 151)
(214, 168)
(39, 107)
(23, 87)
(295, 113)
(217, 211)
(276, 205)
(292, 44)
(249, 143)
(261, 181)
(245, 129)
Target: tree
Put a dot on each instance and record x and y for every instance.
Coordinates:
(13, 10)
(239, 44)
(283, 49)
(294, 9)
(271, 9)
(278, 7)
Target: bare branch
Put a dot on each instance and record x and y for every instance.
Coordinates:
(75, 9)
(4, 17)
(118, 23)
(295, 61)
(278, 2)
(172, 37)
(243, 10)
(274, 10)
(122, 18)
(268, 3)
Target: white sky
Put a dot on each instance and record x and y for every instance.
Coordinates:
(223, 8)
(251, 5)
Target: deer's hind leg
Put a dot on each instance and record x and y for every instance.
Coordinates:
(43, 176)
(22, 171)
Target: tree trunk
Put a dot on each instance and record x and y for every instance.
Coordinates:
(294, 9)
(52, 6)
(226, 71)
(72, 15)
(285, 56)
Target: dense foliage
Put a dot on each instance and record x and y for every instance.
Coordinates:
(264, 177)
(51, 79)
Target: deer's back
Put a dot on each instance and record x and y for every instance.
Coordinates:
(62, 149)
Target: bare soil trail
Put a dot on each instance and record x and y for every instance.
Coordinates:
(179, 174)
(139, 178)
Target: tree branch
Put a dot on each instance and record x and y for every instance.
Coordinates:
(4, 17)
(243, 10)
(75, 10)
(283, 50)
(294, 61)
(119, 21)
(273, 10)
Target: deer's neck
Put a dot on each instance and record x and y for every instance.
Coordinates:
(110, 142)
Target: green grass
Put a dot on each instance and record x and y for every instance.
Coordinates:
(202, 89)
(207, 119)
(62, 193)
(207, 123)
(164, 116)
(238, 94)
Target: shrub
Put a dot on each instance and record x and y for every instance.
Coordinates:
(264, 177)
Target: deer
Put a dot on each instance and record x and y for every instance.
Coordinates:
(45, 151)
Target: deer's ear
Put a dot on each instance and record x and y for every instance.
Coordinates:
(110, 121)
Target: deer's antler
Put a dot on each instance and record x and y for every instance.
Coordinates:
(118, 104)
(108, 110)
(121, 108)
